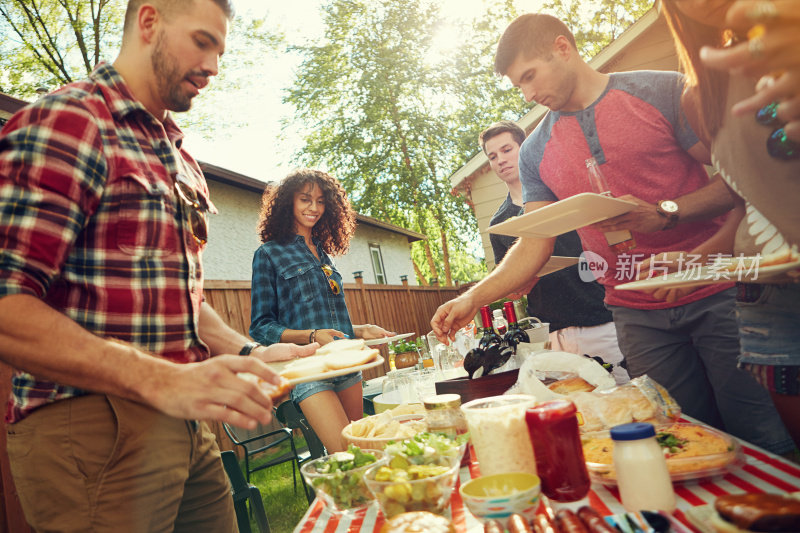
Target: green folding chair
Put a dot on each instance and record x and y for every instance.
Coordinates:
(244, 492)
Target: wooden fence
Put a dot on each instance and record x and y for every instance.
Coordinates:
(400, 308)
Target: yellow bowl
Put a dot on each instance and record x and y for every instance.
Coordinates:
(498, 496)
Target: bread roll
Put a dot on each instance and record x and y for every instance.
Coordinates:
(570, 385)
(756, 512)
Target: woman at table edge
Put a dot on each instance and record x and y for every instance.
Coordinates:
(768, 314)
(297, 294)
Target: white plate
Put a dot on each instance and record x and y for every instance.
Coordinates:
(556, 263)
(330, 373)
(706, 276)
(384, 340)
(565, 215)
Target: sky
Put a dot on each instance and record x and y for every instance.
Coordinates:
(258, 145)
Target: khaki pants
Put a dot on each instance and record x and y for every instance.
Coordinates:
(103, 464)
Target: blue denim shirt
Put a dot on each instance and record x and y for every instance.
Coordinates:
(290, 291)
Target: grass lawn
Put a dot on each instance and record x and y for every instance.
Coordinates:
(284, 508)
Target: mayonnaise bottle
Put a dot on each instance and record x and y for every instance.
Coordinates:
(642, 476)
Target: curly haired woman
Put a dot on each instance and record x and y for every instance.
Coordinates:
(297, 292)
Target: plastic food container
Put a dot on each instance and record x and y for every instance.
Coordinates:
(712, 453)
(430, 494)
(343, 491)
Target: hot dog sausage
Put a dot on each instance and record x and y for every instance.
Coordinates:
(542, 524)
(492, 526)
(568, 522)
(518, 524)
(594, 521)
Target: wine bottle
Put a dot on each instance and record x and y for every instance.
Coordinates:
(619, 241)
(515, 334)
(489, 338)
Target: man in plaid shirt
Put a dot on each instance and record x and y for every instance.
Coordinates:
(102, 225)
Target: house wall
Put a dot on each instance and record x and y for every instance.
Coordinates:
(652, 50)
(232, 239)
(394, 249)
(232, 236)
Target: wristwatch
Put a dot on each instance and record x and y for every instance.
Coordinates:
(669, 210)
(248, 347)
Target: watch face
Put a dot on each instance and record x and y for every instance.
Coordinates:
(669, 206)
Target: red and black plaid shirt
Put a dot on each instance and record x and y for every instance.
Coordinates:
(91, 224)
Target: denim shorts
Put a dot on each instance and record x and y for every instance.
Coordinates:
(769, 323)
(337, 384)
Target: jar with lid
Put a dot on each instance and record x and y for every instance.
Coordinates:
(443, 415)
(553, 428)
(641, 468)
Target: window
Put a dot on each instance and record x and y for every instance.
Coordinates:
(377, 263)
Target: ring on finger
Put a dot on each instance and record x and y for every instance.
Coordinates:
(763, 12)
(756, 48)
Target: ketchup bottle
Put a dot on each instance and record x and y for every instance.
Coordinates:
(553, 428)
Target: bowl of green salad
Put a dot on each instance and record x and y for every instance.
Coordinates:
(419, 475)
(339, 478)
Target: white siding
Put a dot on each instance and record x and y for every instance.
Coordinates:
(232, 236)
(394, 249)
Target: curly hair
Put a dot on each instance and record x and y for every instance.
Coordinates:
(335, 227)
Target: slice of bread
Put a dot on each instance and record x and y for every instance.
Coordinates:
(275, 391)
(305, 366)
(340, 345)
(350, 358)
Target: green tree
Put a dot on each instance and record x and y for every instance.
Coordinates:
(52, 42)
(606, 21)
(386, 120)
(48, 43)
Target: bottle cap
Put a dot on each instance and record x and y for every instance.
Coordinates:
(498, 313)
(633, 431)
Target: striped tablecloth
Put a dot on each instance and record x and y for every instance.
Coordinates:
(763, 472)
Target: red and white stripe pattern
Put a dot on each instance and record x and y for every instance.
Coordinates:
(764, 472)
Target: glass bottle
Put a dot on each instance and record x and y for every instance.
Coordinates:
(489, 337)
(499, 322)
(553, 429)
(641, 468)
(515, 334)
(619, 241)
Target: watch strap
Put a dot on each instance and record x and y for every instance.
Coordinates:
(248, 347)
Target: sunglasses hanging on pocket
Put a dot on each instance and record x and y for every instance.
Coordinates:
(328, 271)
(197, 205)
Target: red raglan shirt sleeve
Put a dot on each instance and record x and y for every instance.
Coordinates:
(52, 173)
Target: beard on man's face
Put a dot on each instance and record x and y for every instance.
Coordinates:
(169, 78)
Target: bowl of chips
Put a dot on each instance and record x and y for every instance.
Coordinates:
(375, 432)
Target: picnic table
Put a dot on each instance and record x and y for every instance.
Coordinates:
(763, 472)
